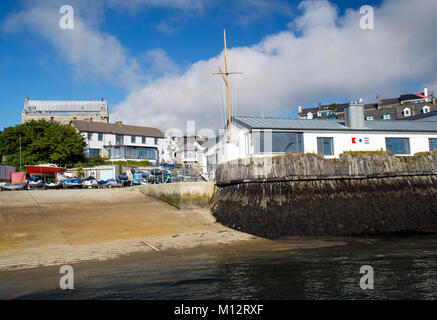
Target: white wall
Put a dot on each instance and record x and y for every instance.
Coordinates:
(343, 141)
(243, 146)
(110, 139)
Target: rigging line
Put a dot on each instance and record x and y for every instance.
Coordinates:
(223, 106)
(233, 98)
(219, 100)
(236, 96)
(220, 90)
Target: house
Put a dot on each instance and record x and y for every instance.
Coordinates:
(65, 111)
(120, 142)
(428, 116)
(384, 109)
(189, 152)
(260, 136)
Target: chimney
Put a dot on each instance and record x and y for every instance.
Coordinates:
(425, 93)
(119, 123)
(95, 99)
(434, 101)
(354, 115)
(26, 99)
(299, 108)
(320, 105)
(379, 100)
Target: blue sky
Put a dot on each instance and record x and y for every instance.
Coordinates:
(160, 43)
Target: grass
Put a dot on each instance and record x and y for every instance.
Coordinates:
(173, 201)
(426, 153)
(366, 153)
(138, 163)
(290, 154)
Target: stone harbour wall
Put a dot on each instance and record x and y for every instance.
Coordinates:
(310, 196)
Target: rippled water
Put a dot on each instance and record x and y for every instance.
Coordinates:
(404, 268)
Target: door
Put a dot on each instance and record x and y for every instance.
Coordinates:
(106, 174)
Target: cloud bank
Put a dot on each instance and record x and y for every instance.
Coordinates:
(331, 57)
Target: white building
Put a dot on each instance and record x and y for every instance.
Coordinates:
(65, 111)
(118, 142)
(260, 136)
(98, 172)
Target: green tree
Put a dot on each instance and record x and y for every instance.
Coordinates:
(42, 142)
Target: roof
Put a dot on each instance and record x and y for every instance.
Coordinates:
(415, 96)
(430, 116)
(102, 127)
(67, 106)
(333, 124)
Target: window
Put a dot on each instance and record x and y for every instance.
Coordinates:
(52, 119)
(432, 144)
(386, 116)
(94, 152)
(133, 153)
(398, 145)
(281, 142)
(132, 139)
(90, 135)
(156, 140)
(100, 137)
(407, 112)
(91, 119)
(119, 139)
(425, 109)
(325, 146)
(369, 117)
(190, 155)
(143, 140)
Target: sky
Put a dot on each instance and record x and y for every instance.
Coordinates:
(153, 60)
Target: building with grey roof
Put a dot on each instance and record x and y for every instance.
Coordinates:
(65, 111)
(120, 142)
(260, 136)
(403, 107)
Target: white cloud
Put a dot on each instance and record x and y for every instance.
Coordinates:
(159, 62)
(91, 53)
(332, 57)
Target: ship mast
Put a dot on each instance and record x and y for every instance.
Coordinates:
(225, 76)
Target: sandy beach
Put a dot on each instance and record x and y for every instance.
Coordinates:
(52, 227)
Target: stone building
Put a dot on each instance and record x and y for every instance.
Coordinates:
(65, 111)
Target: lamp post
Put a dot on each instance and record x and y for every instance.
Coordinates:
(19, 139)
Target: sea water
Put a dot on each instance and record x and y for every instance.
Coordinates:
(404, 267)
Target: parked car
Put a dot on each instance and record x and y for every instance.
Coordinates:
(114, 183)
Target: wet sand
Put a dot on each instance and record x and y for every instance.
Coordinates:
(41, 228)
(52, 227)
